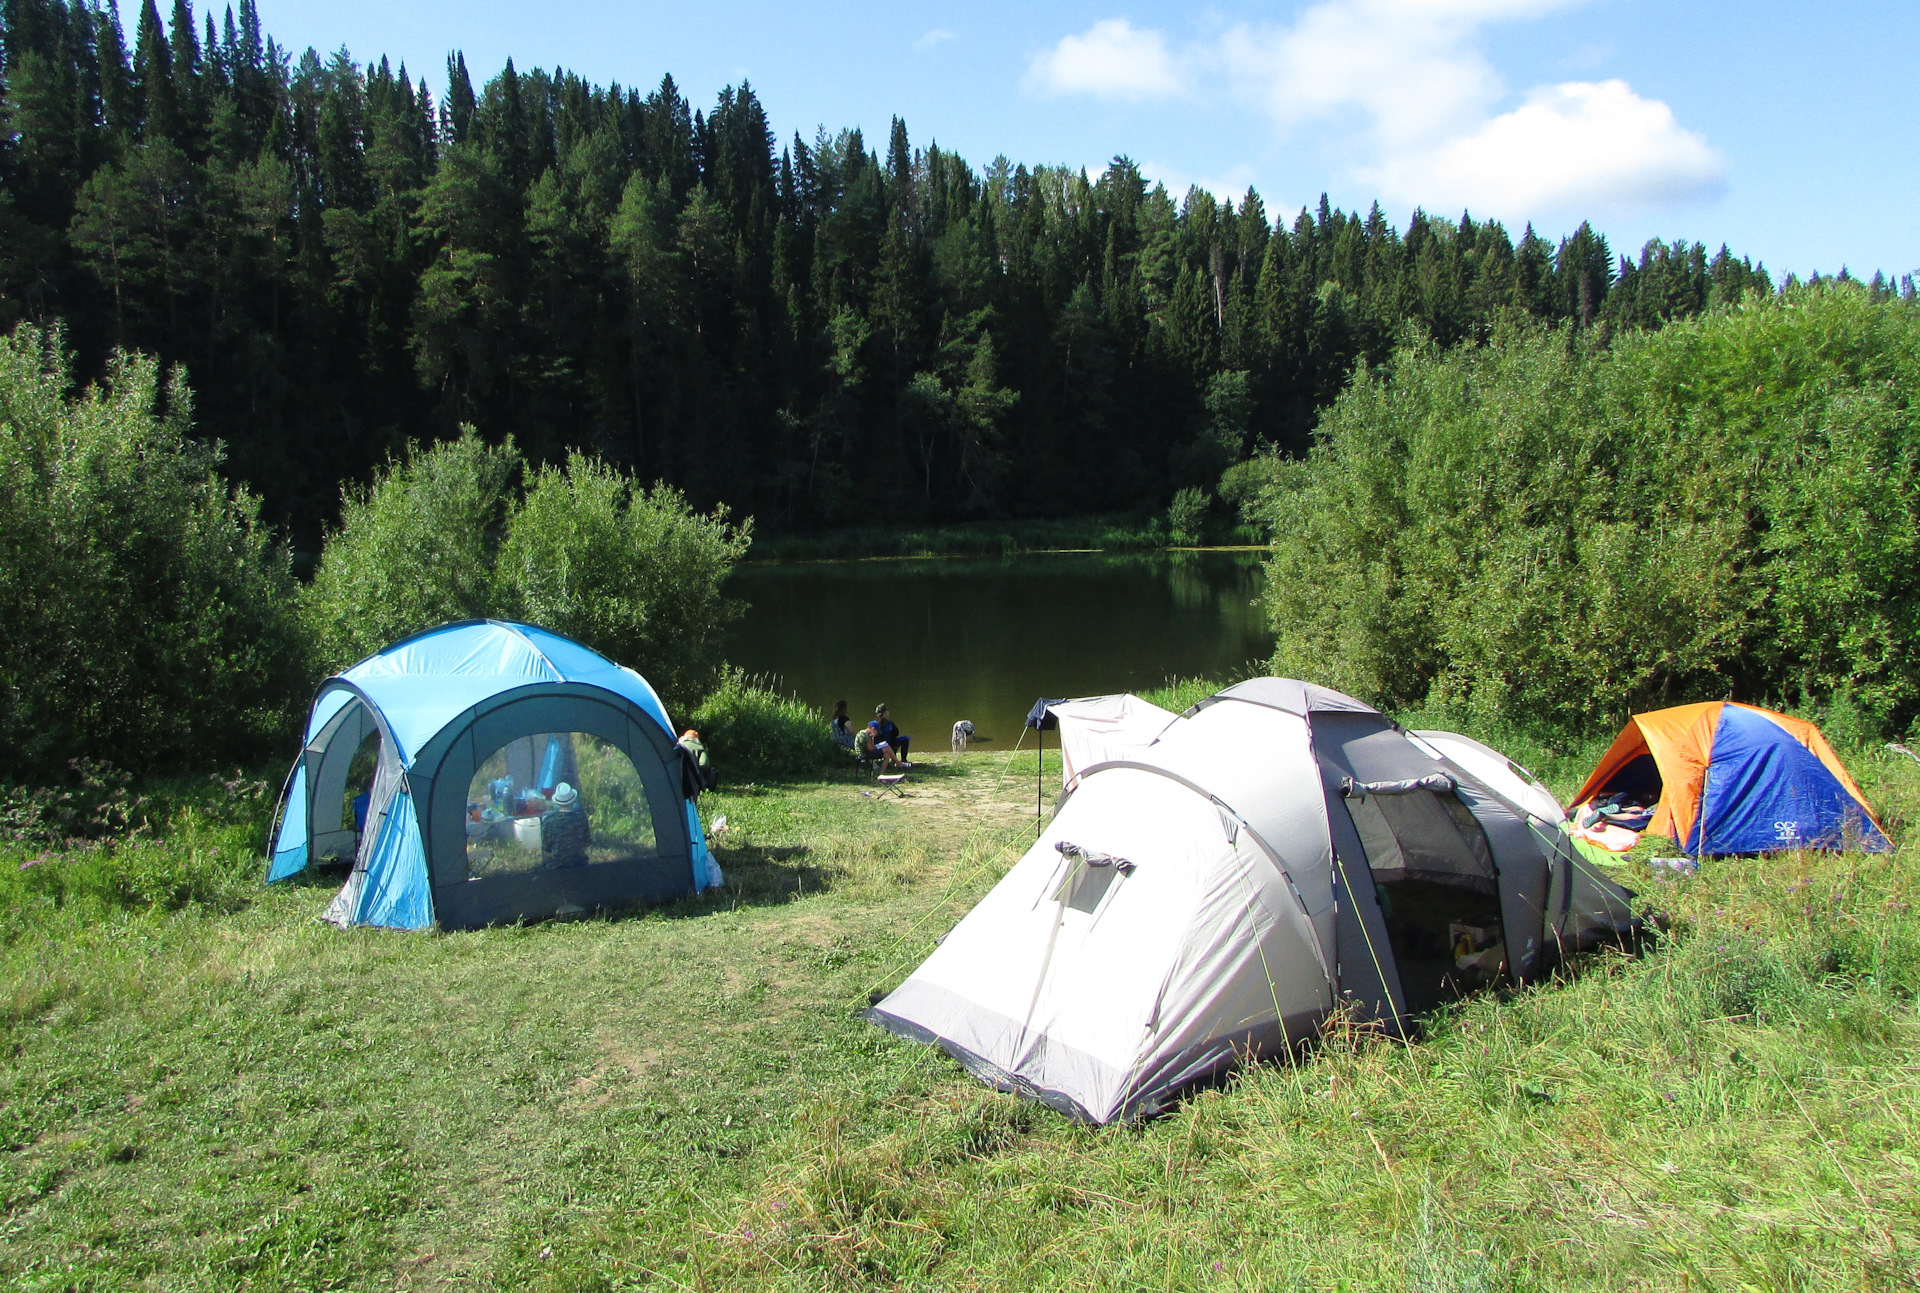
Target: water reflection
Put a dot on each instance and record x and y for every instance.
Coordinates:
(945, 639)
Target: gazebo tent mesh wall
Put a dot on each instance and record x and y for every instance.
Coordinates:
(1280, 852)
(515, 775)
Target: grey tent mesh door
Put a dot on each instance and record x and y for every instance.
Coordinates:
(1438, 892)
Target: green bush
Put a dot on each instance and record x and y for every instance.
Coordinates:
(632, 572)
(751, 729)
(444, 534)
(1245, 486)
(1187, 516)
(1552, 531)
(101, 805)
(414, 549)
(148, 618)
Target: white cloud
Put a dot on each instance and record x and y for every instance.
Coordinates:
(1409, 65)
(933, 38)
(1112, 59)
(1581, 144)
(1405, 88)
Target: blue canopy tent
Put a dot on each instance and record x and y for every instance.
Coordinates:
(514, 773)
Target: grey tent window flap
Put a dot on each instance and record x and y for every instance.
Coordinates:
(1089, 876)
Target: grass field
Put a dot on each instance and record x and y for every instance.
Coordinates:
(203, 1088)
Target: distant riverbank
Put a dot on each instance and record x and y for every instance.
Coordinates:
(986, 538)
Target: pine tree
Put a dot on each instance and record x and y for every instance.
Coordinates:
(339, 266)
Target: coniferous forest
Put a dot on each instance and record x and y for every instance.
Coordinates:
(815, 333)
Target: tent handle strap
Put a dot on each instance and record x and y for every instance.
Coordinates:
(1439, 782)
(1087, 857)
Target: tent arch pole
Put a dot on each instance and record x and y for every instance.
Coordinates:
(280, 804)
(307, 754)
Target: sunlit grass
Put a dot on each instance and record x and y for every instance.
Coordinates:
(206, 1088)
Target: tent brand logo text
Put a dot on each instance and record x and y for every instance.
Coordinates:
(1786, 831)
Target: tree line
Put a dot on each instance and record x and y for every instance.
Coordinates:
(810, 332)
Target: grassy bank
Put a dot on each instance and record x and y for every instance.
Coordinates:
(206, 1089)
(984, 539)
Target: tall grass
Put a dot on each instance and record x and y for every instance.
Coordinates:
(1734, 1110)
(753, 728)
(204, 1095)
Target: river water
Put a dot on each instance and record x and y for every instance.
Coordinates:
(940, 639)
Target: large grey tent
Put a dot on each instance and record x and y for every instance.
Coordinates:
(1280, 851)
(509, 773)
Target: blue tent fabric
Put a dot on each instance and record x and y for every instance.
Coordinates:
(1767, 791)
(290, 842)
(397, 893)
(423, 683)
(325, 708)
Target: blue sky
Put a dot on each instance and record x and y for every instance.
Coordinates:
(1788, 131)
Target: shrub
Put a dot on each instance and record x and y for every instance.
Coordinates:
(1552, 532)
(444, 535)
(414, 549)
(101, 805)
(634, 573)
(149, 619)
(1187, 516)
(751, 729)
(1246, 486)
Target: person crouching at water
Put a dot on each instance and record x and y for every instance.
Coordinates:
(841, 726)
(891, 734)
(868, 745)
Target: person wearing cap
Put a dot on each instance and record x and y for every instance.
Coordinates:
(868, 745)
(891, 734)
(564, 831)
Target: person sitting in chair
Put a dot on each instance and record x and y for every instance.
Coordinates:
(871, 749)
(564, 832)
(841, 726)
(891, 734)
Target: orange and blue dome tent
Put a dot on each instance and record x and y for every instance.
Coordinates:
(1733, 778)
